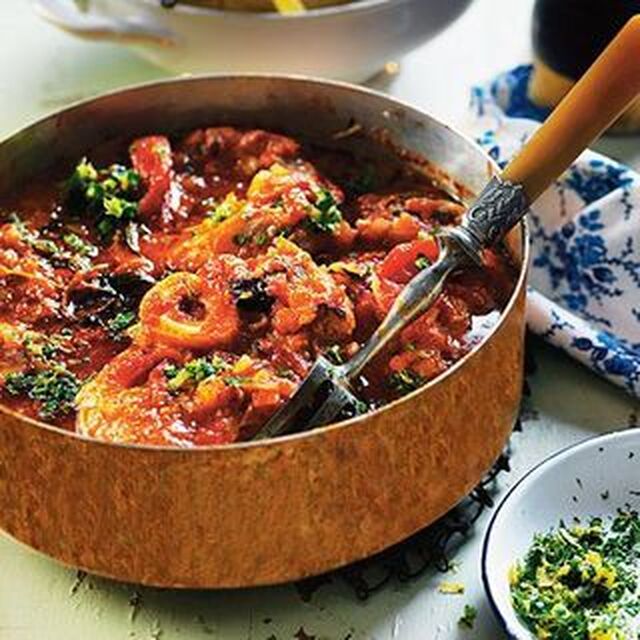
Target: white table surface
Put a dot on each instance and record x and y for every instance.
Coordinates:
(42, 70)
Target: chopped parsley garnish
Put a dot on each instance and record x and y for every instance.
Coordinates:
(198, 370)
(468, 617)
(261, 239)
(405, 381)
(422, 262)
(85, 173)
(286, 373)
(334, 354)
(241, 239)
(120, 322)
(79, 246)
(234, 381)
(73, 251)
(54, 388)
(581, 582)
(109, 195)
(43, 246)
(193, 372)
(119, 208)
(223, 211)
(42, 348)
(325, 216)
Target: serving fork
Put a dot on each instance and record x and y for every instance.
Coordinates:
(595, 102)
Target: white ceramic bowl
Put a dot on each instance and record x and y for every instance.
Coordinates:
(346, 42)
(570, 483)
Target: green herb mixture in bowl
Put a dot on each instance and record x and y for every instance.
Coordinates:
(561, 558)
(581, 581)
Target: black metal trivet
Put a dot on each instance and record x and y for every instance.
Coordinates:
(432, 547)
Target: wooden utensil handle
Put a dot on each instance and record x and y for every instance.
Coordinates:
(594, 103)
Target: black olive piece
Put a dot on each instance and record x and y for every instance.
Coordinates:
(131, 286)
(98, 301)
(89, 304)
(251, 295)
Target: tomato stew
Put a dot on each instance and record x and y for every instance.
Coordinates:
(179, 295)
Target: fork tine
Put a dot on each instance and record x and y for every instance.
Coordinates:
(340, 401)
(319, 399)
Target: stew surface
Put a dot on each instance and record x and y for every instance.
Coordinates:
(177, 291)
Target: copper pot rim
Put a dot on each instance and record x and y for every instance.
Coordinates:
(392, 101)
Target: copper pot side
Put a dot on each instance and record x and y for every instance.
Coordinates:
(260, 513)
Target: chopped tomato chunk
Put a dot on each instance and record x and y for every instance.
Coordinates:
(151, 158)
(400, 265)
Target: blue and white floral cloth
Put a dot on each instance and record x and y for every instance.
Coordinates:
(584, 293)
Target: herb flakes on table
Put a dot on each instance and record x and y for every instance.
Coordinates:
(581, 582)
(468, 617)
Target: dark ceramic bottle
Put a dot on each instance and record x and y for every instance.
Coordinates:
(568, 35)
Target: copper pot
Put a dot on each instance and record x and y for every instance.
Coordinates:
(265, 512)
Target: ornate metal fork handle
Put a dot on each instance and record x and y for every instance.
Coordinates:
(499, 207)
